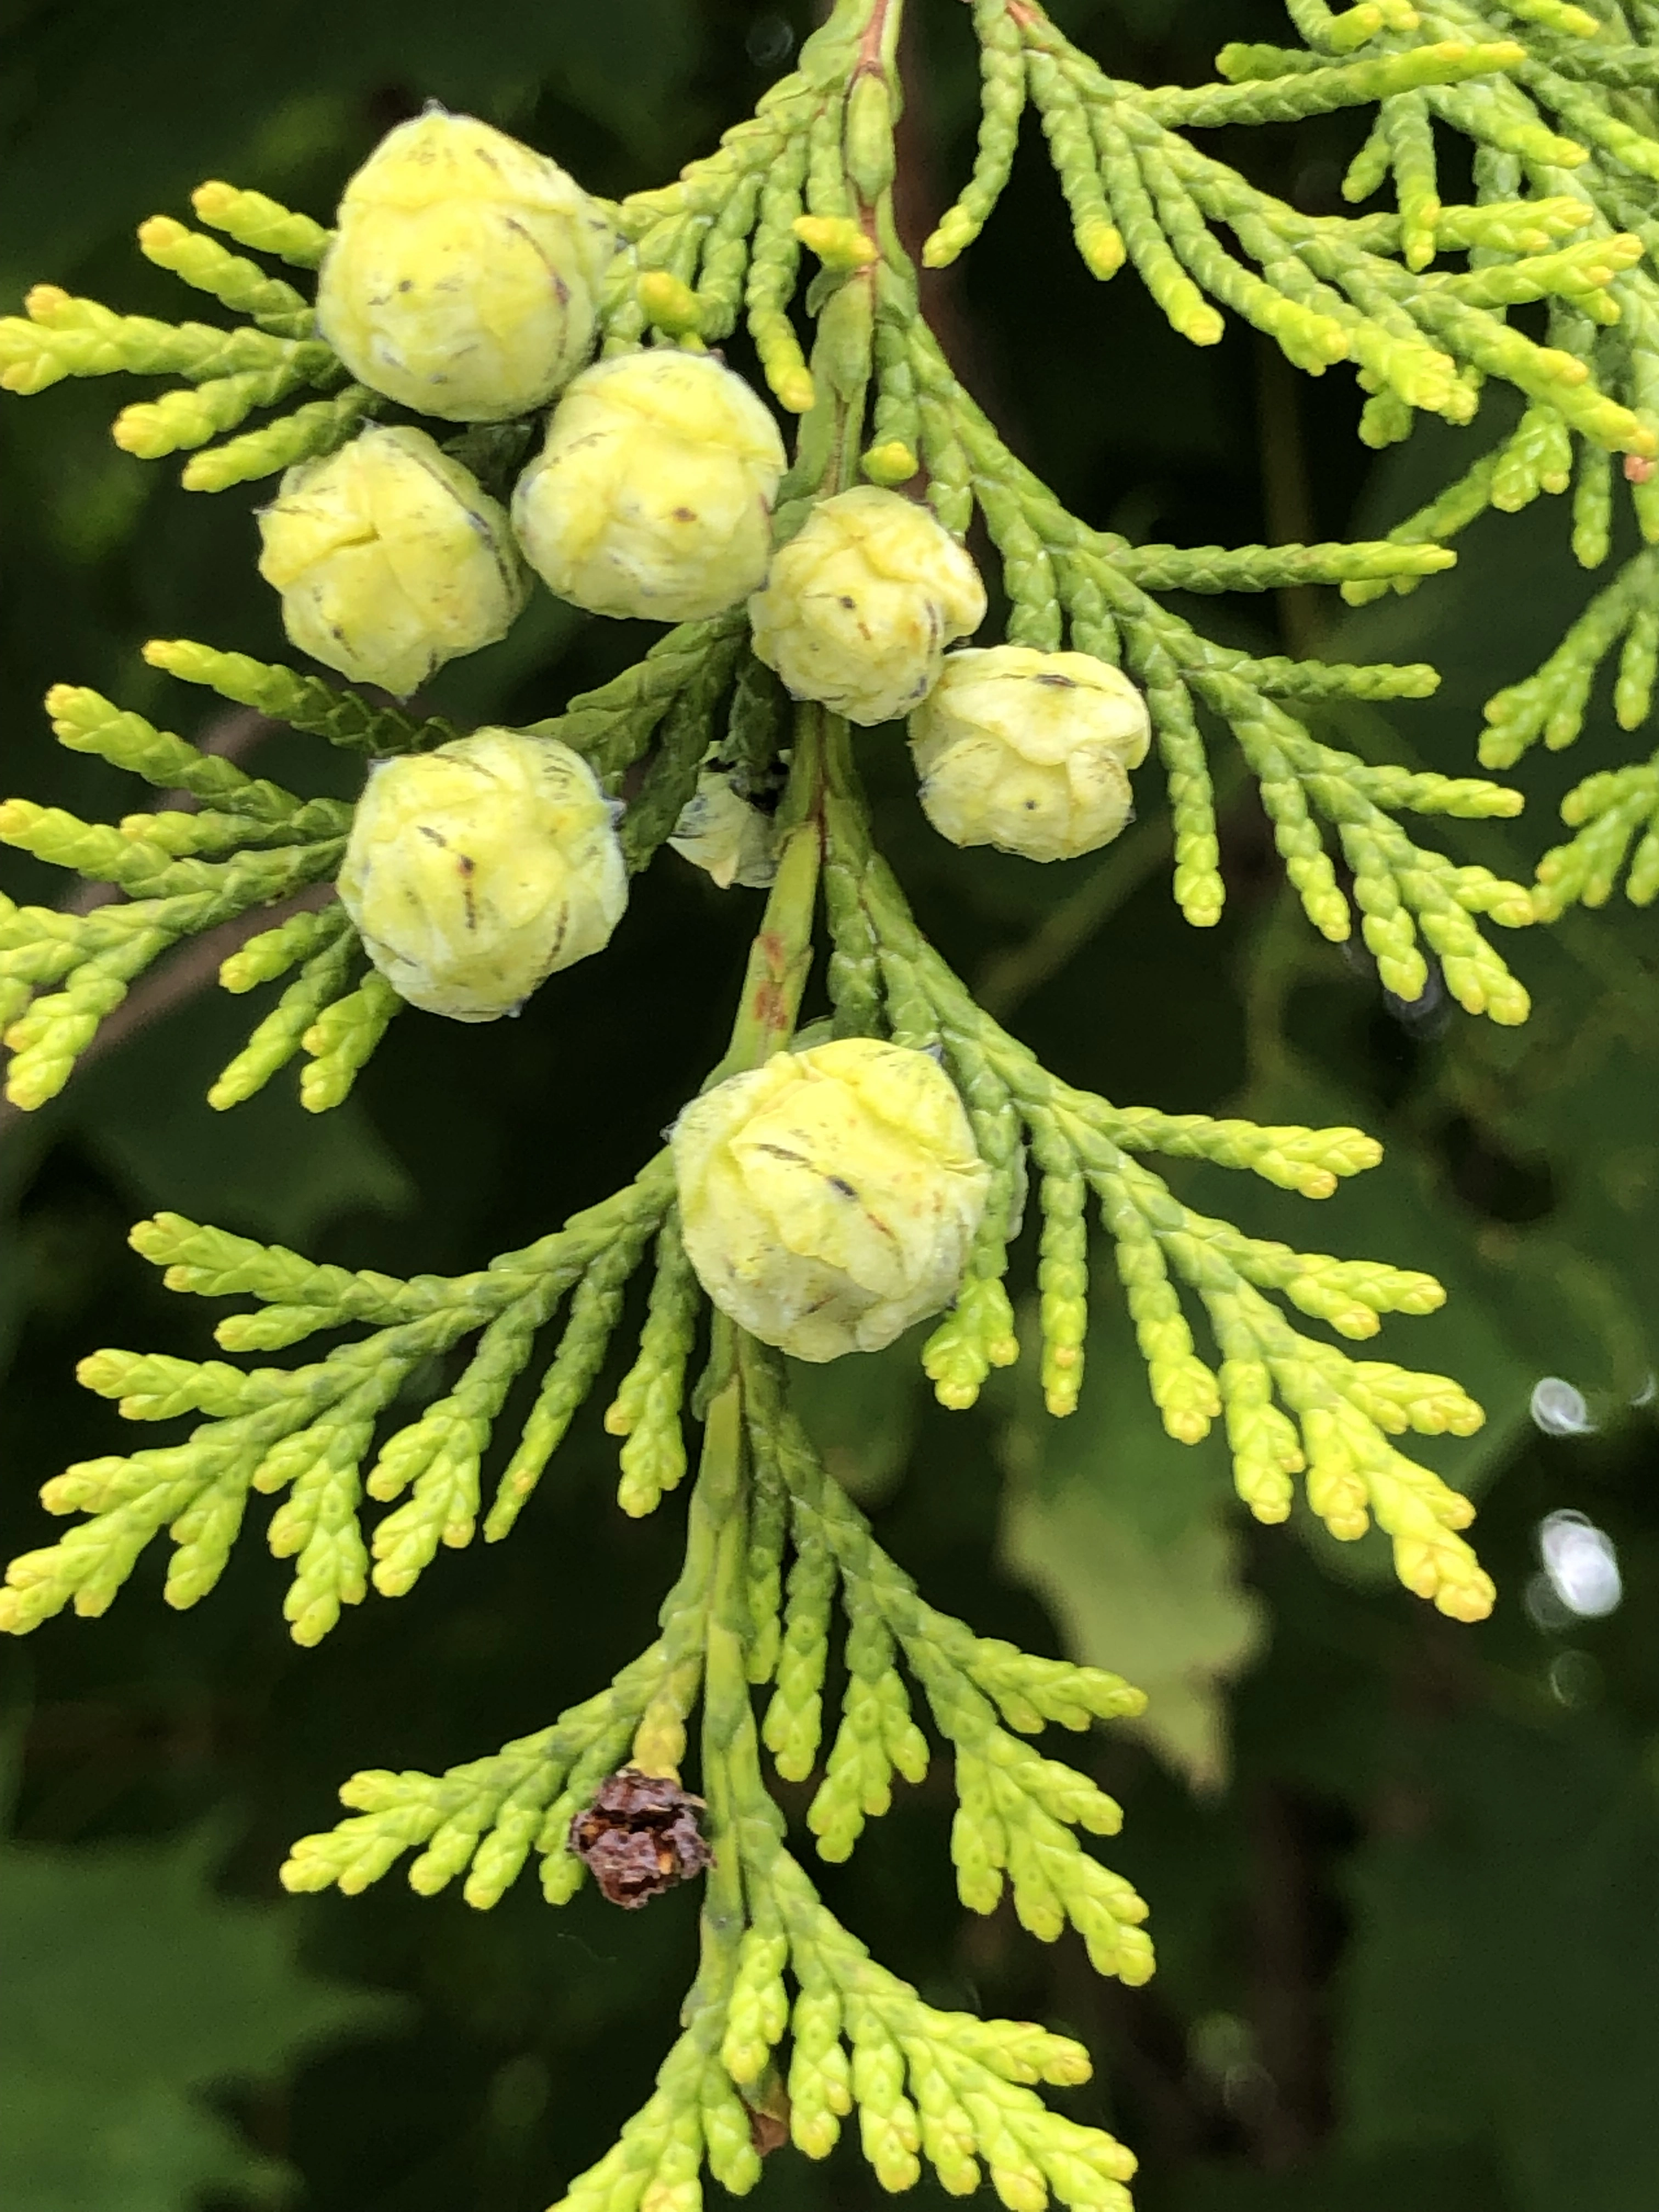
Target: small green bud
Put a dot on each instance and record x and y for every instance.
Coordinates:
(391, 559)
(653, 496)
(839, 242)
(891, 462)
(1029, 751)
(1101, 243)
(829, 1199)
(861, 602)
(463, 277)
(727, 836)
(475, 871)
(668, 302)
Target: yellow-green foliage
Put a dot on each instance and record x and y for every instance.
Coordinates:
(833, 601)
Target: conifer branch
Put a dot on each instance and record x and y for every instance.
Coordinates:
(243, 842)
(1575, 71)
(952, 2088)
(1408, 897)
(1290, 1403)
(309, 1429)
(790, 2025)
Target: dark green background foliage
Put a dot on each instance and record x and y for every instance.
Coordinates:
(1403, 1873)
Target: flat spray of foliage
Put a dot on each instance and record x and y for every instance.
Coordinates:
(790, 2029)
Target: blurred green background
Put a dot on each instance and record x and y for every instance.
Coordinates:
(1404, 1875)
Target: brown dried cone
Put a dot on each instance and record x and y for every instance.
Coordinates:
(767, 2103)
(639, 1837)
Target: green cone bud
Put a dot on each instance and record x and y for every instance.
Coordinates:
(829, 1199)
(726, 835)
(1029, 751)
(476, 871)
(463, 276)
(653, 496)
(861, 602)
(391, 559)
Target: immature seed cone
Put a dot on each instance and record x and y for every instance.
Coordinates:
(861, 602)
(829, 1199)
(391, 559)
(653, 496)
(476, 871)
(726, 834)
(1029, 751)
(463, 277)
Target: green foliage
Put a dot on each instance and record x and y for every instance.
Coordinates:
(1487, 2063)
(1144, 1580)
(308, 1430)
(952, 2087)
(789, 2024)
(130, 1985)
(1589, 175)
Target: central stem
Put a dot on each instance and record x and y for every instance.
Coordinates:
(780, 956)
(826, 462)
